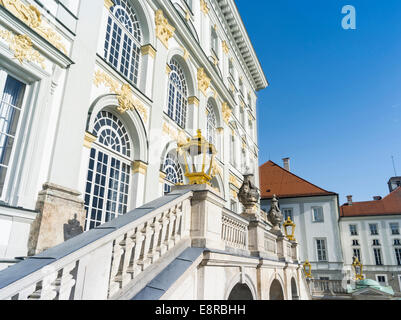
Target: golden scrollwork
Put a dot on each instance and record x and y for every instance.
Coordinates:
(203, 80)
(225, 47)
(124, 94)
(177, 135)
(31, 16)
(227, 112)
(22, 47)
(234, 181)
(164, 31)
(204, 7)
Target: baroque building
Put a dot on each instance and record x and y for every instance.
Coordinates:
(97, 96)
(99, 100)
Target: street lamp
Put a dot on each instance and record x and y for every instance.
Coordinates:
(199, 157)
(358, 268)
(289, 229)
(308, 269)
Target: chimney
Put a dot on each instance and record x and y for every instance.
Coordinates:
(377, 198)
(286, 162)
(349, 199)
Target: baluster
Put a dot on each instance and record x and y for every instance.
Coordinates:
(66, 282)
(157, 227)
(164, 223)
(26, 292)
(145, 261)
(45, 289)
(126, 276)
(178, 222)
(115, 273)
(138, 238)
(169, 240)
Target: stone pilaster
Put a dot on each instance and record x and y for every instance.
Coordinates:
(61, 216)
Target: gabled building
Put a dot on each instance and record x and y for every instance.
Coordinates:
(370, 231)
(314, 210)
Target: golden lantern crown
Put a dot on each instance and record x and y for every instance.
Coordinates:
(308, 269)
(358, 269)
(199, 157)
(290, 234)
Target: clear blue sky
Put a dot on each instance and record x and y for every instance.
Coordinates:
(334, 100)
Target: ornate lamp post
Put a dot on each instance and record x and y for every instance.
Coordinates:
(308, 269)
(358, 268)
(199, 157)
(289, 229)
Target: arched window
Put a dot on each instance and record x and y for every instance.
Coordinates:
(177, 94)
(211, 125)
(107, 186)
(123, 40)
(174, 174)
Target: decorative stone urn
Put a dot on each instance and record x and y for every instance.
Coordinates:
(275, 217)
(249, 196)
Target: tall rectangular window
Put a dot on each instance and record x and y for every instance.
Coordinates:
(11, 96)
(353, 230)
(395, 229)
(232, 150)
(318, 214)
(378, 256)
(373, 229)
(321, 249)
(398, 255)
(357, 253)
(214, 42)
(288, 213)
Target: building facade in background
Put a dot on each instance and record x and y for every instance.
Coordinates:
(371, 232)
(315, 212)
(96, 96)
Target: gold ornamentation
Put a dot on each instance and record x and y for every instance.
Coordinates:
(168, 69)
(177, 135)
(31, 16)
(108, 4)
(227, 112)
(225, 47)
(204, 7)
(193, 100)
(148, 50)
(186, 53)
(308, 269)
(124, 94)
(234, 181)
(89, 140)
(22, 47)
(164, 31)
(203, 81)
(139, 167)
(290, 234)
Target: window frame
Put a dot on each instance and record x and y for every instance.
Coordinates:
(313, 214)
(376, 233)
(384, 276)
(397, 233)
(351, 231)
(378, 256)
(325, 250)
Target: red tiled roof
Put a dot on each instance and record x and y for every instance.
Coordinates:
(275, 180)
(390, 205)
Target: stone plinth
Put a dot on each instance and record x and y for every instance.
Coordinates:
(61, 216)
(206, 217)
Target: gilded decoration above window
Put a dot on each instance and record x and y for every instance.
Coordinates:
(22, 47)
(124, 94)
(203, 81)
(31, 16)
(164, 31)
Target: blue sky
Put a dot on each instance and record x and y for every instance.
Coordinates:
(334, 100)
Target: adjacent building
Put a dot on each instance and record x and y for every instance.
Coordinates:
(370, 231)
(315, 212)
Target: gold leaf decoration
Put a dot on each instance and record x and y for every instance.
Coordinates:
(31, 16)
(124, 94)
(164, 31)
(22, 47)
(226, 110)
(203, 81)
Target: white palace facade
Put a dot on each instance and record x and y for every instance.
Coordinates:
(95, 97)
(97, 100)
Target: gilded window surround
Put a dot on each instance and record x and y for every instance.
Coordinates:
(89, 139)
(148, 50)
(31, 16)
(139, 167)
(193, 100)
(108, 4)
(203, 81)
(124, 94)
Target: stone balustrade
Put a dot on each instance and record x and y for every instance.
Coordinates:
(234, 230)
(321, 287)
(112, 257)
